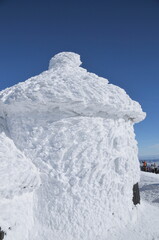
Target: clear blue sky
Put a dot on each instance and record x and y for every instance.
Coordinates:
(116, 39)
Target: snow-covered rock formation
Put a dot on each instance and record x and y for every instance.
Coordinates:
(68, 145)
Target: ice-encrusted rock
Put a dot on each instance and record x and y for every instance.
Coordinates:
(78, 131)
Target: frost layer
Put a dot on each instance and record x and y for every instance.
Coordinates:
(77, 131)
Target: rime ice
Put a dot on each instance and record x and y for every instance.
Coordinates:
(74, 133)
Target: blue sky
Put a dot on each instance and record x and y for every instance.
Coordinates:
(116, 39)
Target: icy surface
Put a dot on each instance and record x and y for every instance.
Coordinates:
(17, 173)
(74, 131)
(150, 188)
(70, 89)
(19, 178)
(146, 214)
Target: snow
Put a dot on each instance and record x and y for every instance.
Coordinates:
(146, 224)
(71, 90)
(15, 180)
(18, 178)
(150, 188)
(69, 157)
(65, 59)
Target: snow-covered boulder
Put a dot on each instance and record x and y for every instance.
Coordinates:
(19, 178)
(77, 129)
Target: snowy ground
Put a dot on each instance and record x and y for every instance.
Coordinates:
(149, 188)
(146, 226)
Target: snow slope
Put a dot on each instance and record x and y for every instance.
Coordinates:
(146, 224)
(74, 131)
(150, 188)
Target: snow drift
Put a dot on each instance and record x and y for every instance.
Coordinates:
(70, 142)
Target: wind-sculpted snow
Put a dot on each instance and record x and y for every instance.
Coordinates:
(17, 173)
(88, 167)
(76, 131)
(70, 88)
(19, 178)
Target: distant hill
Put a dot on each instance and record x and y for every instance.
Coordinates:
(149, 158)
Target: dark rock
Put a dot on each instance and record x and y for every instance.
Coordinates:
(136, 194)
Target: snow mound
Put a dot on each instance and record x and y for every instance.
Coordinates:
(149, 188)
(73, 91)
(65, 59)
(17, 173)
(76, 130)
(19, 179)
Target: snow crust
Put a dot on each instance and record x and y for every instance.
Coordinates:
(19, 178)
(144, 225)
(70, 142)
(72, 90)
(17, 173)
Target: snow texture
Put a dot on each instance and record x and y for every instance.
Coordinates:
(68, 144)
(144, 226)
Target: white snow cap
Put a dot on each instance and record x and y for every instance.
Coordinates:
(65, 59)
(69, 88)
